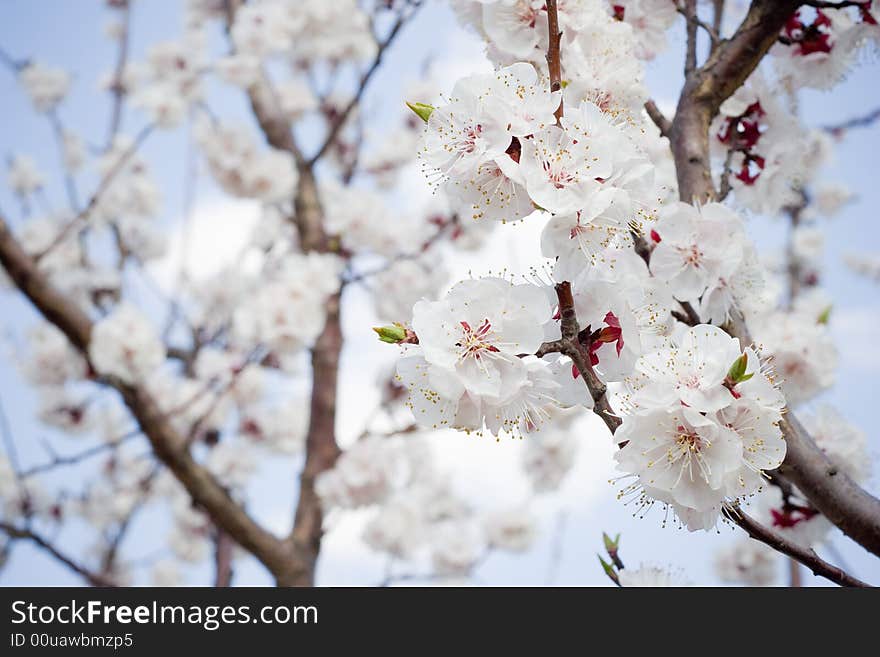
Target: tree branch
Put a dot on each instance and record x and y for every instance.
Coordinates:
(382, 46)
(168, 445)
(664, 124)
(707, 87)
(303, 544)
(92, 578)
(554, 58)
(717, 18)
(694, 22)
(224, 548)
(569, 345)
(103, 186)
(800, 554)
(689, 11)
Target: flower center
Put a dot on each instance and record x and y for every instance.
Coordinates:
(559, 177)
(477, 340)
(468, 143)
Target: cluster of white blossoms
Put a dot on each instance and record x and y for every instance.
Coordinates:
(242, 167)
(703, 426)
(471, 367)
(126, 346)
(705, 257)
(700, 411)
(748, 563)
(168, 82)
(497, 149)
(24, 176)
(46, 86)
(651, 278)
(817, 48)
(416, 512)
(601, 47)
(306, 31)
(287, 310)
(649, 576)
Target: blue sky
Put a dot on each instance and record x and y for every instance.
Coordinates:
(69, 34)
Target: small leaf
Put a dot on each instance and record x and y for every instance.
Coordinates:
(737, 371)
(422, 110)
(610, 545)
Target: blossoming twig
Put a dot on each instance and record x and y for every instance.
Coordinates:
(569, 345)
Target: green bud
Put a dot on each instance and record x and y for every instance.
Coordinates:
(392, 334)
(610, 546)
(737, 372)
(609, 570)
(825, 316)
(422, 110)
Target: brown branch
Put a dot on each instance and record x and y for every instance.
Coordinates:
(689, 11)
(693, 18)
(73, 459)
(321, 451)
(92, 578)
(664, 124)
(569, 345)
(830, 491)
(800, 554)
(724, 191)
(717, 18)
(382, 46)
(303, 544)
(707, 87)
(554, 58)
(224, 549)
(168, 445)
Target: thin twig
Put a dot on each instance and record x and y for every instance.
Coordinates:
(803, 555)
(382, 46)
(864, 121)
(717, 18)
(73, 459)
(569, 345)
(224, 549)
(554, 57)
(664, 124)
(117, 86)
(20, 533)
(69, 182)
(694, 20)
(103, 186)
